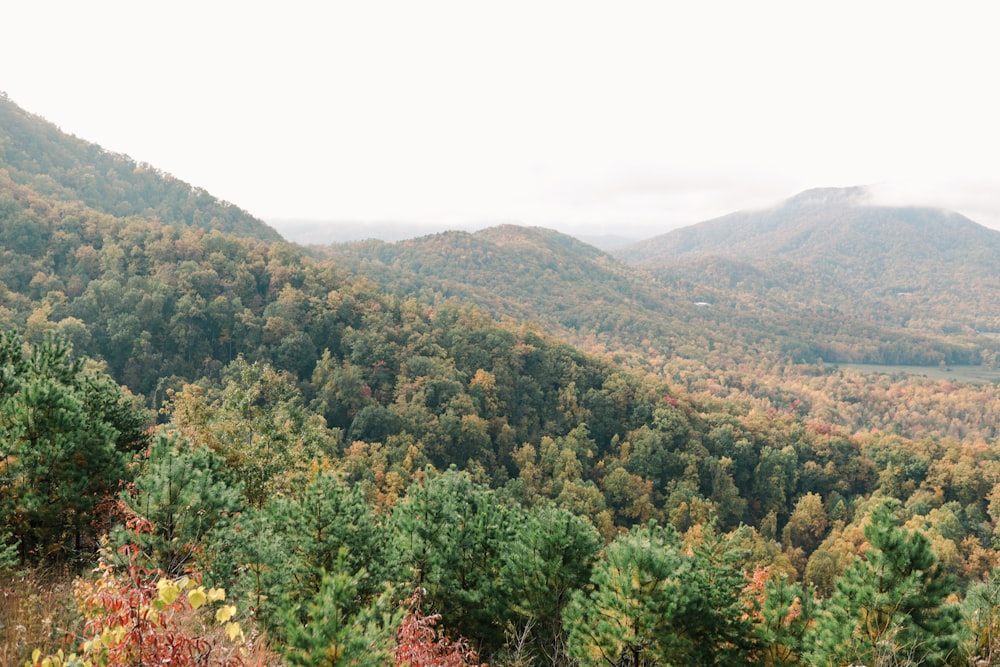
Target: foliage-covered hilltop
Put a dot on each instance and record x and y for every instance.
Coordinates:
(37, 155)
(916, 269)
(732, 344)
(681, 309)
(272, 459)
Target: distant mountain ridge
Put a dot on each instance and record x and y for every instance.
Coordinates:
(580, 292)
(815, 222)
(36, 154)
(914, 266)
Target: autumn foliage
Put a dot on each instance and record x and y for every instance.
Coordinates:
(420, 644)
(139, 616)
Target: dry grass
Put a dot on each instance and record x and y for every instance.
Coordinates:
(37, 610)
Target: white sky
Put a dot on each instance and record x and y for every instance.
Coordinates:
(594, 117)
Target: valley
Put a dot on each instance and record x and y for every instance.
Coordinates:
(970, 374)
(553, 451)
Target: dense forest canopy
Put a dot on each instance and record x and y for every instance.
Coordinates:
(501, 447)
(36, 154)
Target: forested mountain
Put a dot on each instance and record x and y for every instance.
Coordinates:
(273, 458)
(36, 155)
(916, 268)
(586, 296)
(526, 273)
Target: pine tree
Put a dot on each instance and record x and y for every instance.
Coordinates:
(981, 611)
(318, 522)
(450, 536)
(251, 557)
(552, 556)
(890, 606)
(655, 601)
(64, 434)
(182, 492)
(783, 614)
(335, 632)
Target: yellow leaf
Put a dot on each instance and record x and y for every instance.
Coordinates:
(35, 655)
(225, 613)
(217, 594)
(234, 630)
(197, 597)
(168, 590)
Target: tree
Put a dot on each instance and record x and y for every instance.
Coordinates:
(656, 601)
(320, 521)
(805, 529)
(782, 616)
(64, 433)
(182, 492)
(891, 605)
(550, 558)
(259, 425)
(8, 552)
(250, 556)
(450, 537)
(981, 611)
(335, 631)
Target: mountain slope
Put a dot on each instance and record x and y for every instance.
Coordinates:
(834, 226)
(583, 294)
(523, 273)
(38, 155)
(920, 268)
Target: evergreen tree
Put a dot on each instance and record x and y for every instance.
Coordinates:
(8, 552)
(551, 557)
(251, 558)
(890, 607)
(326, 518)
(64, 433)
(981, 612)
(655, 601)
(182, 491)
(450, 537)
(335, 632)
(783, 615)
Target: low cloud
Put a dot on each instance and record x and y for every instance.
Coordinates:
(977, 200)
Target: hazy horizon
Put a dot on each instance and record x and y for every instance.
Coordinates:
(308, 231)
(592, 118)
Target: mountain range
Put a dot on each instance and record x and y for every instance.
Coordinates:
(916, 268)
(296, 402)
(823, 276)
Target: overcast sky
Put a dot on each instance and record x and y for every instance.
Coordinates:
(595, 117)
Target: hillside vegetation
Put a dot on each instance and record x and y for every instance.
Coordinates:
(36, 154)
(237, 451)
(603, 305)
(908, 268)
